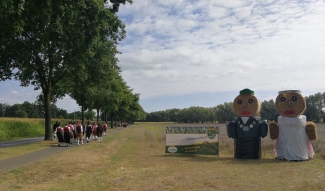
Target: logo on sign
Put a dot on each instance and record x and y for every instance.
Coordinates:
(172, 149)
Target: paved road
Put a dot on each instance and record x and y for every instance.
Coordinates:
(19, 161)
(22, 160)
(13, 143)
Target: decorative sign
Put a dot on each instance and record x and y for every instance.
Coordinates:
(192, 139)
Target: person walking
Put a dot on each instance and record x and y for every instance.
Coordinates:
(58, 131)
(89, 130)
(104, 128)
(56, 125)
(95, 131)
(73, 129)
(100, 133)
(83, 130)
(66, 133)
(79, 131)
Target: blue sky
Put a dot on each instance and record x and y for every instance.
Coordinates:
(181, 53)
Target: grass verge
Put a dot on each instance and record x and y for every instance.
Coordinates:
(134, 159)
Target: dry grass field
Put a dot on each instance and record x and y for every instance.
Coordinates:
(134, 159)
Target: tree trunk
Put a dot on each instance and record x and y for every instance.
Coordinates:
(97, 114)
(82, 107)
(47, 104)
(111, 121)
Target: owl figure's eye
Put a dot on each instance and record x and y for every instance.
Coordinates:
(283, 99)
(250, 101)
(294, 98)
(240, 101)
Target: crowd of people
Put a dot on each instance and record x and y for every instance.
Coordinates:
(78, 133)
(123, 124)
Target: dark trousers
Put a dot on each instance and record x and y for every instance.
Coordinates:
(247, 148)
(88, 133)
(59, 136)
(67, 137)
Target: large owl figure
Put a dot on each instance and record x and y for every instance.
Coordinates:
(292, 132)
(247, 129)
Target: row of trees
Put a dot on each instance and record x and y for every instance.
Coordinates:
(67, 47)
(36, 110)
(223, 112)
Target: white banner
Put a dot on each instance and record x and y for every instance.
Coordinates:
(192, 139)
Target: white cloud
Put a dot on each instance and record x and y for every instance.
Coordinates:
(205, 46)
(181, 47)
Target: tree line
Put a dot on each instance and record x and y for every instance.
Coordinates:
(36, 110)
(315, 111)
(65, 47)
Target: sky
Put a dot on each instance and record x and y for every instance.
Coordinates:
(183, 53)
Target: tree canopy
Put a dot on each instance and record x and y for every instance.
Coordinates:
(45, 42)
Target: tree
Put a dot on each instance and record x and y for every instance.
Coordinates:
(10, 25)
(11, 110)
(21, 114)
(314, 107)
(323, 108)
(62, 113)
(75, 115)
(116, 4)
(109, 89)
(172, 114)
(39, 106)
(53, 43)
(91, 85)
(30, 109)
(131, 110)
(212, 118)
(90, 115)
(3, 108)
(140, 113)
(268, 110)
(225, 112)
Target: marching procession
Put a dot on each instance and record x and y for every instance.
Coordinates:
(78, 133)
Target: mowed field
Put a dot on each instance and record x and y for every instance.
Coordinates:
(133, 159)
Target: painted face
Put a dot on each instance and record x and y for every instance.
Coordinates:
(290, 104)
(246, 105)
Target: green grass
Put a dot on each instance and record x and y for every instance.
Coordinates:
(133, 159)
(11, 128)
(17, 128)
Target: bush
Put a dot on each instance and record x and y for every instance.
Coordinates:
(21, 114)
(11, 128)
